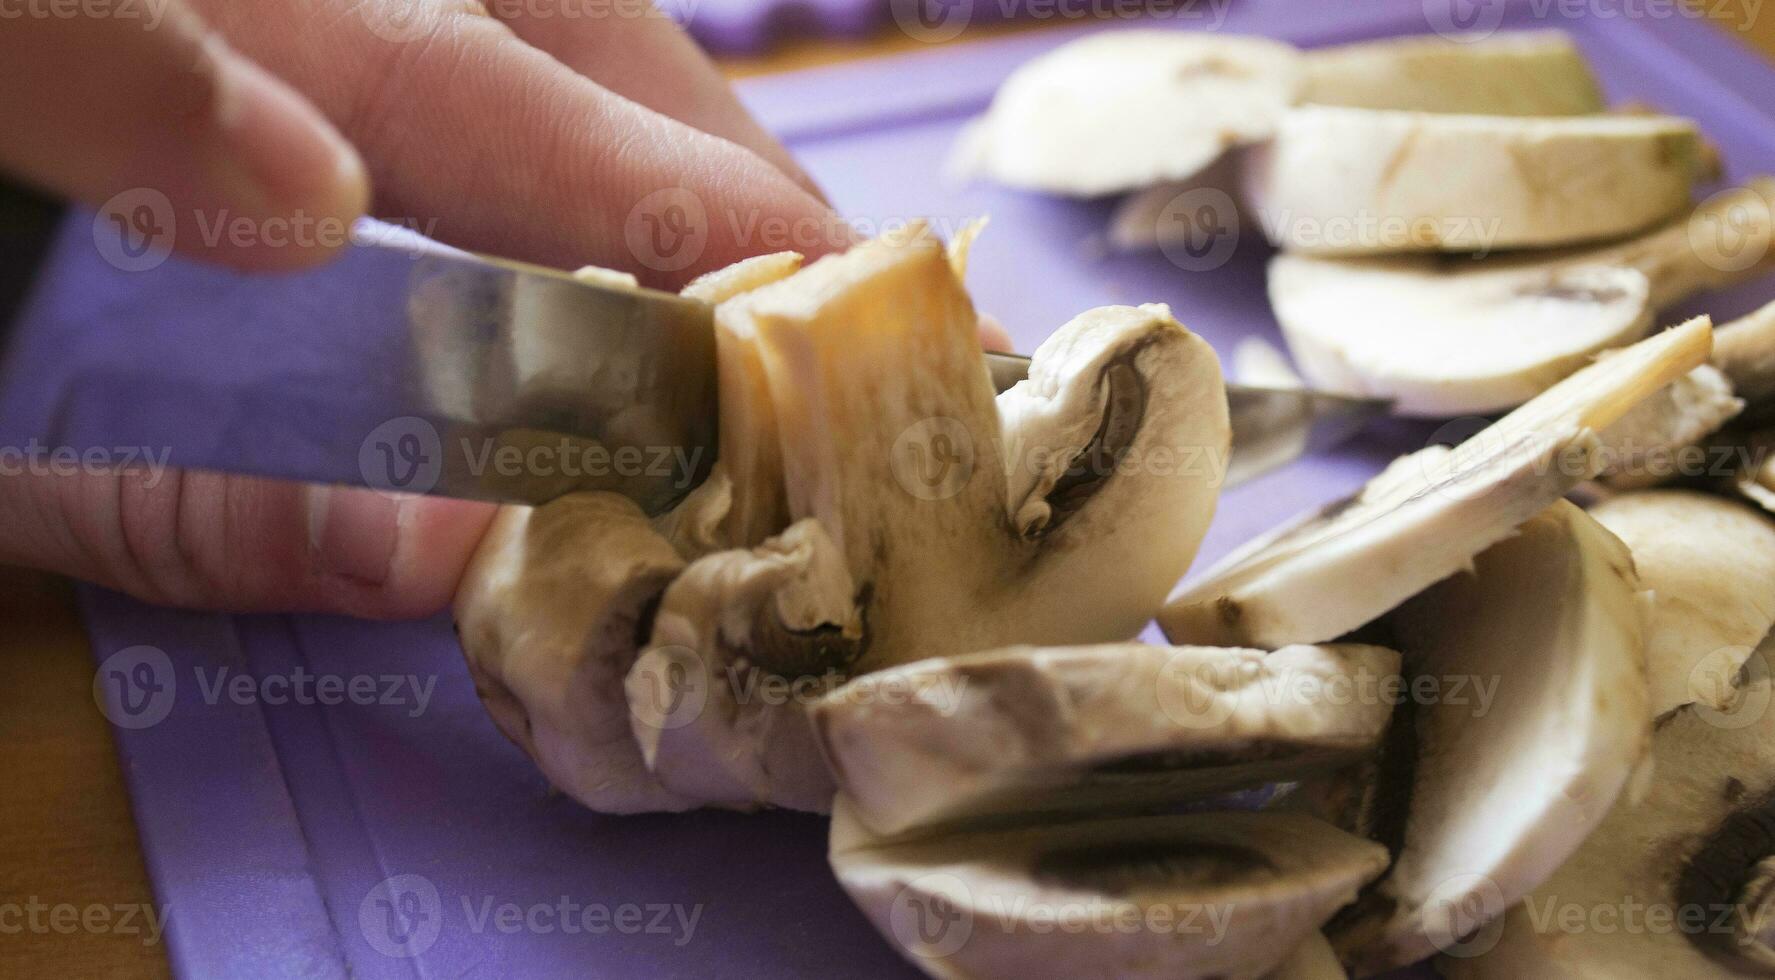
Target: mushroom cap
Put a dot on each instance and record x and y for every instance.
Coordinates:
(1183, 896)
(1426, 515)
(1510, 73)
(1120, 726)
(1342, 181)
(1710, 564)
(1445, 336)
(1313, 959)
(548, 610)
(1118, 110)
(1744, 350)
(1496, 795)
(1667, 884)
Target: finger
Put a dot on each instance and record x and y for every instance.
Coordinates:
(243, 544)
(493, 145)
(636, 51)
(118, 112)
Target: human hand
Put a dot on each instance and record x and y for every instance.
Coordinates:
(524, 135)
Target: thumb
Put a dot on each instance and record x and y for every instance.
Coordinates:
(235, 543)
(159, 112)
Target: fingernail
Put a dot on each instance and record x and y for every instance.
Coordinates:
(285, 152)
(353, 533)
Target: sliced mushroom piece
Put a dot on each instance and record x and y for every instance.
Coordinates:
(1024, 731)
(1122, 110)
(1211, 895)
(1744, 350)
(1652, 443)
(1339, 181)
(1427, 515)
(1189, 213)
(1445, 336)
(1710, 564)
(950, 531)
(1511, 73)
(742, 640)
(1673, 885)
(549, 612)
(1498, 792)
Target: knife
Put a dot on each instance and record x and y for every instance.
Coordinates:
(409, 366)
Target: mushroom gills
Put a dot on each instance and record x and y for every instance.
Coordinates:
(1252, 886)
(1021, 732)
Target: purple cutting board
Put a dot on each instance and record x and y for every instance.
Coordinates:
(268, 828)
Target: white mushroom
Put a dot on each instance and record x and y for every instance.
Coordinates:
(925, 527)
(1042, 730)
(1511, 73)
(1488, 796)
(548, 613)
(1676, 884)
(1213, 895)
(1121, 110)
(1427, 515)
(1447, 336)
(1658, 438)
(1339, 181)
(1744, 350)
(1710, 564)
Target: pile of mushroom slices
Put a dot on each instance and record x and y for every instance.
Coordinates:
(1461, 222)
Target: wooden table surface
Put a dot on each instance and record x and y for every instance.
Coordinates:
(66, 837)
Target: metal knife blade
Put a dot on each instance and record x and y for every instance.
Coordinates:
(405, 365)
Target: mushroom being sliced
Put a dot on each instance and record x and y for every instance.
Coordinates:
(1446, 336)
(1496, 792)
(1041, 730)
(1676, 884)
(1710, 564)
(548, 612)
(1338, 181)
(935, 528)
(1427, 515)
(1212, 895)
(1515, 73)
(1122, 110)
